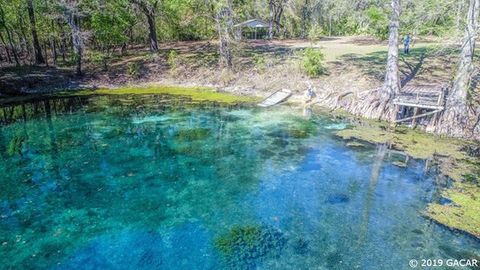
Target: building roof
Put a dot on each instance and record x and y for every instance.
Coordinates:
(254, 23)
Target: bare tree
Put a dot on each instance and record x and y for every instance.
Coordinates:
(72, 15)
(224, 22)
(3, 23)
(149, 9)
(454, 120)
(36, 44)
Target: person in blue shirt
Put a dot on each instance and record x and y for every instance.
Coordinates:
(407, 40)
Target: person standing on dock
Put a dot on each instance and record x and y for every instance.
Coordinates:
(407, 40)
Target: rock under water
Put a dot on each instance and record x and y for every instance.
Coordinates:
(337, 198)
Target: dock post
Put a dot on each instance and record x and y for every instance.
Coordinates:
(414, 119)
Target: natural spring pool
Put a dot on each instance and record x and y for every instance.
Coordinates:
(157, 182)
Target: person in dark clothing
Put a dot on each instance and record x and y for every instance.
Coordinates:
(407, 40)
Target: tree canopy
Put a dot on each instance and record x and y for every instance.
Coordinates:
(105, 25)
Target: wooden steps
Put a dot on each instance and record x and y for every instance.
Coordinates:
(421, 97)
(276, 98)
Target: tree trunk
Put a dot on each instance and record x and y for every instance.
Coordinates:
(458, 16)
(54, 51)
(6, 48)
(149, 9)
(63, 47)
(76, 39)
(306, 15)
(270, 25)
(9, 35)
(36, 45)
(276, 11)
(25, 42)
(391, 85)
(12, 47)
(224, 23)
(46, 53)
(152, 28)
(455, 119)
(53, 44)
(377, 104)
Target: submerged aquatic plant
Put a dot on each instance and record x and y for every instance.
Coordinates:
(192, 134)
(15, 145)
(244, 247)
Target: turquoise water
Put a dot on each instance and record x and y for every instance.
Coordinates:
(154, 182)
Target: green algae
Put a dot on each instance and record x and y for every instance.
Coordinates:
(195, 93)
(464, 211)
(243, 246)
(414, 143)
(464, 214)
(301, 130)
(193, 134)
(297, 133)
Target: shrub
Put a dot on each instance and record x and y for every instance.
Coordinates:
(172, 59)
(100, 58)
(313, 62)
(152, 57)
(378, 22)
(259, 61)
(315, 33)
(133, 69)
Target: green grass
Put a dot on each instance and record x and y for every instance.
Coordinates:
(339, 50)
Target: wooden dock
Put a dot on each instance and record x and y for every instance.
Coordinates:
(276, 98)
(428, 98)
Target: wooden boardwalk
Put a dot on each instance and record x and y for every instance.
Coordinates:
(276, 98)
(421, 97)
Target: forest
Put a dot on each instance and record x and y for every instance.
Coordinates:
(61, 33)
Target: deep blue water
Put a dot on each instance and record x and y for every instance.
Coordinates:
(153, 182)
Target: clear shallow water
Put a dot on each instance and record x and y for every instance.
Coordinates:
(159, 183)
